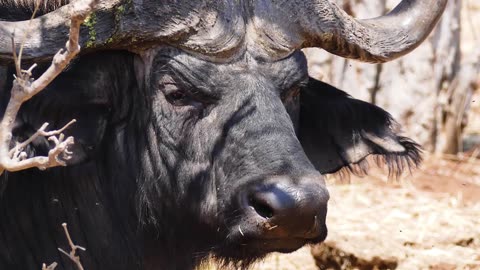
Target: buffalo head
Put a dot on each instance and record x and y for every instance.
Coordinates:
(199, 131)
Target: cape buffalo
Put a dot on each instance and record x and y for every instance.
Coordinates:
(199, 132)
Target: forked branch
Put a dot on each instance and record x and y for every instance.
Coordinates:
(50, 267)
(72, 255)
(25, 87)
(73, 249)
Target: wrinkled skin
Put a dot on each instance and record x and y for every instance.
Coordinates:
(178, 159)
(222, 134)
(176, 155)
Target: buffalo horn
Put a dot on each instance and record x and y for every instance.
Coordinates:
(130, 24)
(324, 24)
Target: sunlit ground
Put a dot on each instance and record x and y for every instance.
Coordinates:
(427, 220)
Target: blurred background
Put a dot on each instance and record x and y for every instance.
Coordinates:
(429, 219)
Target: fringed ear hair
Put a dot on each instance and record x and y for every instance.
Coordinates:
(339, 132)
(395, 162)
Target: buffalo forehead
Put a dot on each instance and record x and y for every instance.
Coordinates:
(266, 29)
(282, 74)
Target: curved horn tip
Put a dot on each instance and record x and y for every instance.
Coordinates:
(376, 40)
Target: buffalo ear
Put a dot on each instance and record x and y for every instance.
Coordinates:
(339, 132)
(88, 131)
(66, 98)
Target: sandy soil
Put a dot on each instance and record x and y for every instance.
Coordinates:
(429, 220)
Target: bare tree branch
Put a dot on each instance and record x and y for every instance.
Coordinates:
(73, 249)
(50, 267)
(25, 87)
(72, 255)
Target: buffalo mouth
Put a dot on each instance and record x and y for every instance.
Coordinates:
(268, 235)
(276, 215)
(282, 245)
(250, 248)
(254, 237)
(275, 239)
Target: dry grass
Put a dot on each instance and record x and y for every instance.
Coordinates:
(301, 259)
(417, 222)
(374, 221)
(430, 220)
(419, 231)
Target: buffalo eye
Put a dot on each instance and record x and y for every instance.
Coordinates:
(182, 98)
(176, 95)
(178, 98)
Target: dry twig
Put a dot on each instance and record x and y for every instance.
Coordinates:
(72, 255)
(50, 267)
(25, 87)
(73, 249)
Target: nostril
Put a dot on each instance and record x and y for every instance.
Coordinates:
(281, 208)
(260, 206)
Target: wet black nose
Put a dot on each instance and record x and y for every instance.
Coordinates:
(290, 208)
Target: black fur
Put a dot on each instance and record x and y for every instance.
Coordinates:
(162, 156)
(332, 123)
(93, 195)
(20, 10)
(157, 170)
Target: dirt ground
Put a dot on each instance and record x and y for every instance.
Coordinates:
(427, 220)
